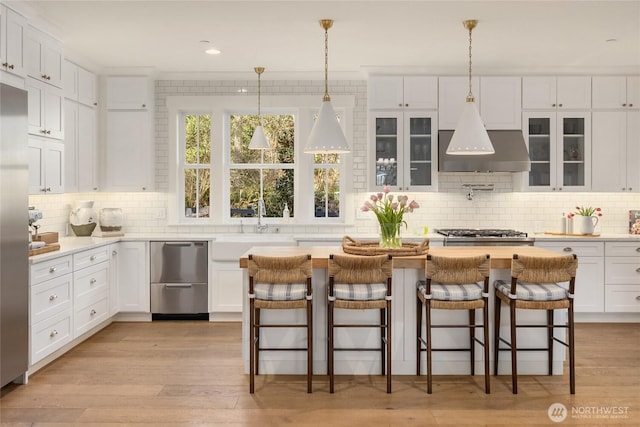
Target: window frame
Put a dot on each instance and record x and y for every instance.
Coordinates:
(303, 107)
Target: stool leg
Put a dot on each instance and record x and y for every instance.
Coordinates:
(383, 333)
(330, 346)
(472, 344)
(428, 339)
(572, 359)
(550, 340)
(419, 334)
(485, 328)
(309, 345)
(252, 334)
(257, 341)
(514, 350)
(496, 334)
(388, 324)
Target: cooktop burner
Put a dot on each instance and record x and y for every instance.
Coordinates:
(477, 232)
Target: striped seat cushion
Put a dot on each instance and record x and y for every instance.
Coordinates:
(451, 292)
(280, 291)
(530, 291)
(360, 291)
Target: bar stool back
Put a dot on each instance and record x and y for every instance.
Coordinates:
(454, 283)
(534, 287)
(358, 283)
(279, 283)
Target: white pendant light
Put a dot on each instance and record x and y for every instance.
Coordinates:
(259, 139)
(326, 135)
(470, 136)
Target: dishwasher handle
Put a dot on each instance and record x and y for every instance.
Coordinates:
(178, 285)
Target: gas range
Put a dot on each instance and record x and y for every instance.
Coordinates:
(484, 237)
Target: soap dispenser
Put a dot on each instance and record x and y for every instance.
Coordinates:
(285, 212)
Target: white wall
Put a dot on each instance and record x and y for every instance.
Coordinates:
(503, 208)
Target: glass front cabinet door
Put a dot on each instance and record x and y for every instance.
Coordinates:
(560, 151)
(404, 150)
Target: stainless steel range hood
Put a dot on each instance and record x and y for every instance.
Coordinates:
(511, 154)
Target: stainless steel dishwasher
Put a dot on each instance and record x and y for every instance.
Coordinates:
(179, 280)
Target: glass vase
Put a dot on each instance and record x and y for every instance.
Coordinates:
(390, 236)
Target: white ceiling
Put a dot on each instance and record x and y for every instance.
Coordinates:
(420, 36)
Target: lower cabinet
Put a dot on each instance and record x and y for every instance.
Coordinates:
(130, 276)
(622, 277)
(90, 297)
(226, 292)
(590, 289)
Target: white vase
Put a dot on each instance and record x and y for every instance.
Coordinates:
(111, 219)
(586, 224)
(83, 218)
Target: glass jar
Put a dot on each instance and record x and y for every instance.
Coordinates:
(111, 219)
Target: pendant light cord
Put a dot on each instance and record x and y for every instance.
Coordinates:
(470, 25)
(326, 24)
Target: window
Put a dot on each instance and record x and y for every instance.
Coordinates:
(270, 170)
(215, 179)
(196, 165)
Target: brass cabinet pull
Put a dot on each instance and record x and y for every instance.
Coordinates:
(568, 249)
(53, 297)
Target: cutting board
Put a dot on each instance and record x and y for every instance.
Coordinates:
(554, 233)
(46, 248)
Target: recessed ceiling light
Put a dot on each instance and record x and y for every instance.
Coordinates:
(212, 51)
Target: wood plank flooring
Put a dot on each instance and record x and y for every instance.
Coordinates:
(191, 374)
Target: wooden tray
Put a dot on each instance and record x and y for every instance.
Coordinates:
(46, 248)
(370, 248)
(554, 233)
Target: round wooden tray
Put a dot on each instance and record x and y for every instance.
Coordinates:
(370, 248)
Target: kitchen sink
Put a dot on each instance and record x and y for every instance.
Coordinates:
(231, 247)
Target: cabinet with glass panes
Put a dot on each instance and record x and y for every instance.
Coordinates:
(560, 151)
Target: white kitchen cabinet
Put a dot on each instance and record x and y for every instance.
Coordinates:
(45, 110)
(404, 150)
(616, 92)
(500, 105)
(616, 151)
(551, 92)
(129, 93)
(46, 166)
(226, 292)
(497, 98)
(80, 140)
(560, 151)
(413, 92)
(51, 313)
(79, 84)
(44, 59)
(131, 265)
(12, 34)
(622, 277)
(90, 296)
(589, 290)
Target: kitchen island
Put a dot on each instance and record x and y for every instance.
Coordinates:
(406, 271)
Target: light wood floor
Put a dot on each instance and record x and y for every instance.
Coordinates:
(190, 373)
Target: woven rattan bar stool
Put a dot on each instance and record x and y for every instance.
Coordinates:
(534, 286)
(279, 283)
(454, 283)
(359, 283)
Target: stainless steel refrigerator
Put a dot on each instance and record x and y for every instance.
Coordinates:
(14, 238)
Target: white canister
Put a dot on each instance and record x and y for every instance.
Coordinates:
(111, 219)
(83, 218)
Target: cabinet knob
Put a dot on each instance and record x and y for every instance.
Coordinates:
(44, 131)
(93, 312)
(52, 269)
(553, 105)
(406, 105)
(568, 249)
(399, 105)
(638, 270)
(638, 298)
(44, 76)
(144, 105)
(637, 249)
(92, 258)
(624, 105)
(53, 297)
(114, 253)
(48, 189)
(144, 188)
(559, 105)
(92, 281)
(43, 190)
(11, 66)
(5, 64)
(630, 105)
(95, 104)
(53, 333)
(48, 132)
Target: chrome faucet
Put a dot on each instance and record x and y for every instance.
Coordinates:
(261, 228)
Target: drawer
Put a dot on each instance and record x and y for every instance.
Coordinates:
(631, 249)
(622, 270)
(91, 257)
(49, 335)
(90, 315)
(574, 247)
(50, 269)
(622, 298)
(90, 280)
(50, 297)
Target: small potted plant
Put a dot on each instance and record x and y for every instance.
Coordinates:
(587, 218)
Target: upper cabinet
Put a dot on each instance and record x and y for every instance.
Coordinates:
(128, 93)
(46, 109)
(551, 92)
(411, 92)
(616, 92)
(79, 84)
(497, 98)
(43, 57)
(12, 36)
